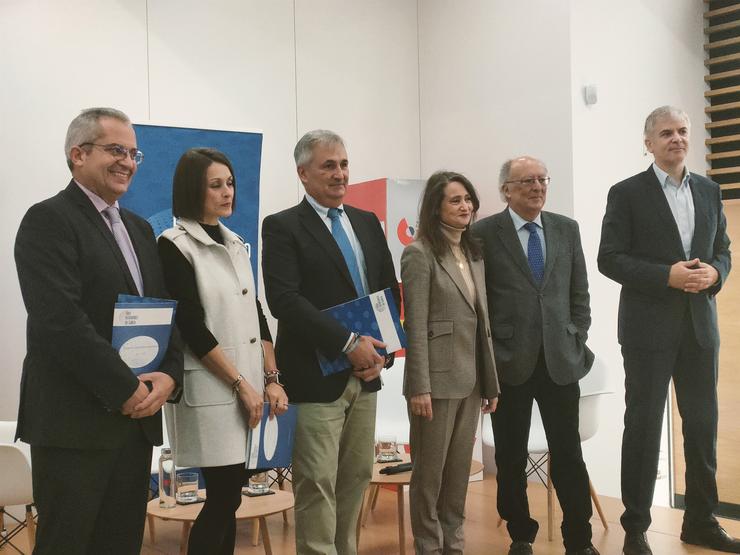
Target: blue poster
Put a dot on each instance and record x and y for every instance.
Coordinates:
(150, 193)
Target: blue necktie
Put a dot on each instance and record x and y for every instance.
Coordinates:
(534, 252)
(340, 236)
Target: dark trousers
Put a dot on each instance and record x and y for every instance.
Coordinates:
(558, 406)
(647, 376)
(214, 531)
(92, 501)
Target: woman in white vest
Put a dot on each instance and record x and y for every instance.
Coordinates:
(229, 360)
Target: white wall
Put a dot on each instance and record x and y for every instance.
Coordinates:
(495, 84)
(229, 65)
(641, 54)
(357, 74)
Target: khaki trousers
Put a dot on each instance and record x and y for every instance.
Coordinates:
(441, 451)
(332, 466)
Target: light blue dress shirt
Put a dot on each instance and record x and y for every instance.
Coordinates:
(681, 203)
(523, 234)
(323, 213)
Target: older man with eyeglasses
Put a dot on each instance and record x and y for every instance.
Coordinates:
(90, 421)
(538, 303)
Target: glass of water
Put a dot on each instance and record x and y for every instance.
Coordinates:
(387, 449)
(187, 487)
(258, 484)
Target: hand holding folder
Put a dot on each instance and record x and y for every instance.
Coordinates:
(365, 360)
(374, 315)
(270, 444)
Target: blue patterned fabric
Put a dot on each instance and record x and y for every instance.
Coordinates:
(534, 252)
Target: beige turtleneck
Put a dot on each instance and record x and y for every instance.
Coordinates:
(453, 236)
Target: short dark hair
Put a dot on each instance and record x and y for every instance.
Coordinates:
(430, 223)
(189, 182)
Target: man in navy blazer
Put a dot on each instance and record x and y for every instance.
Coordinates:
(663, 239)
(90, 421)
(315, 255)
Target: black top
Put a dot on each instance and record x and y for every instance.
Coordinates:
(190, 316)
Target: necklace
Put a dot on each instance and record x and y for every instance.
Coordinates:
(460, 261)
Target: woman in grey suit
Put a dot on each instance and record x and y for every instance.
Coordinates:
(450, 371)
(229, 360)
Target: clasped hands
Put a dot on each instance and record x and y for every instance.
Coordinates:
(365, 360)
(145, 401)
(692, 276)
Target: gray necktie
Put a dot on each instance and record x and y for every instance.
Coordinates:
(124, 243)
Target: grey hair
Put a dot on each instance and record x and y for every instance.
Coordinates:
(505, 172)
(85, 128)
(662, 112)
(304, 147)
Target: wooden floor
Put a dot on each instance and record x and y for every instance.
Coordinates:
(380, 536)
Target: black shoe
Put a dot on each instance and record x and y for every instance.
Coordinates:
(520, 548)
(590, 550)
(635, 543)
(714, 538)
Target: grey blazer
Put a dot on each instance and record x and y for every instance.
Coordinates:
(449, 339)
(525, 316)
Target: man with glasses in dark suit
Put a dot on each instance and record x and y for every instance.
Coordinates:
(90, 421)
(538, 303)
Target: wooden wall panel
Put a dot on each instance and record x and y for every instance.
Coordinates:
(728, 437)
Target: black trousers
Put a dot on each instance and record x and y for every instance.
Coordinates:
(647, 376)
(558, 406)
(214, 531)
(92, 501)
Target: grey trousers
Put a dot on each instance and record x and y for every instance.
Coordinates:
(441, 452)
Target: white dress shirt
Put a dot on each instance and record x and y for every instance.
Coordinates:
(681, 203)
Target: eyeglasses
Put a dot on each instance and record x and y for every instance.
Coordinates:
(530, 181)
(120, 152)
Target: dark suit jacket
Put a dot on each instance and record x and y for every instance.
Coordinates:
(304, 273)
(639, 243)
(71, 272)
(525, 316)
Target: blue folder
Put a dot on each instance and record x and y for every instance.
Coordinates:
(374, 314)
(270, 444)
(141, 331)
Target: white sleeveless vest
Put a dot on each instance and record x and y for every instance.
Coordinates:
(208, 427)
